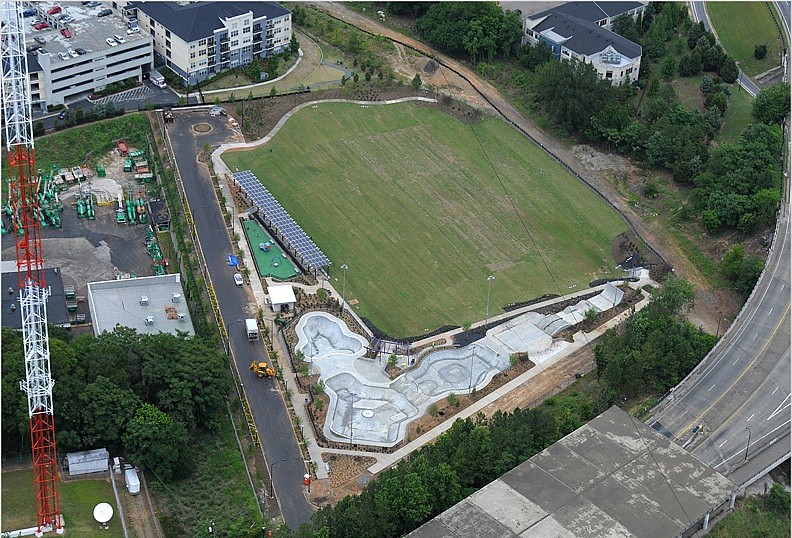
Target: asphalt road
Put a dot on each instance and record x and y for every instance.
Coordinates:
(743, 386)
(700, 14)
(236, 303)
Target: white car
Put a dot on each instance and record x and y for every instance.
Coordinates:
(238, 280)
(133, 30)
(119, 39)
(63, 56)
(73, 53)
(110, 41)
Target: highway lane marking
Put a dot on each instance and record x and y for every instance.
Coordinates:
(749, 418)
(723, 443)
(771, 311)
(697, 420)
(742, 450)
(754, 338)
(783, 405)
(735, 362)
(712, 387)
(774, 391)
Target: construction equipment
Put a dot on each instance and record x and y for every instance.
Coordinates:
(262, 369)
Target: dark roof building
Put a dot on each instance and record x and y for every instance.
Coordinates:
(57, 312)
(581, 31)
(199, 39)
(615, 476)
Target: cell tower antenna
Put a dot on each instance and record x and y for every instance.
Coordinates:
(33, 293)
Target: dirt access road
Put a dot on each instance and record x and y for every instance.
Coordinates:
(711, 304)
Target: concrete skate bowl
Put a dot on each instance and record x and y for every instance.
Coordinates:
(366, 414)
(451, 370)
(321, 335)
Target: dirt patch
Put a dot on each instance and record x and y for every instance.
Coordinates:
(202, 128)
(596, 160)
(348, 476)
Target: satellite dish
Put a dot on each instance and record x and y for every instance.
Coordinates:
(103, 512)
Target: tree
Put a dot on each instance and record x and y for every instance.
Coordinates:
(772, 105)
(416, 81)
(509, 32)
(403, 503)
(155, 441)
(728, 70)
(106, 411)
(669, 68)
(760, 51)
(707, 84)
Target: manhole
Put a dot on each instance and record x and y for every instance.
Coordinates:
(367, 413)
(202, 127)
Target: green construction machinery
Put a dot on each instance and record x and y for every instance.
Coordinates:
(128, 164)
(100, 170)
(130, 210)
(120, 213)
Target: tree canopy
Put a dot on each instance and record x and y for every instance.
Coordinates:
(772, 104)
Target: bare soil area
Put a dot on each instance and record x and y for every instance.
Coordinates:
(348, 476)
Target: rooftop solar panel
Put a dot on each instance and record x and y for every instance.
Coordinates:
(284, 224)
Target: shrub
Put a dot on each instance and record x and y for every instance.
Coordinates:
(432, 410)
(453, 400)
(760, 51)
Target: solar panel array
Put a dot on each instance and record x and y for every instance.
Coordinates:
(293, 236)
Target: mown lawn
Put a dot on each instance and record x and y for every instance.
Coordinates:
(78, 499)
(406, 197)
(743, 25)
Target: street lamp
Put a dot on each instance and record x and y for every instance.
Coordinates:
(470, 383)
(748, 445)
(352, 420)
(486, 315)
(272, 465)
(344, 268)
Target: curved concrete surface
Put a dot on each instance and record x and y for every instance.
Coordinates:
(367, 408)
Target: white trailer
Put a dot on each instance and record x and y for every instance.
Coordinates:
(132, 481)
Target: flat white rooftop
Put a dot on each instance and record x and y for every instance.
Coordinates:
(151, 304)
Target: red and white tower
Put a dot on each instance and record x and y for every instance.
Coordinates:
(18, 131)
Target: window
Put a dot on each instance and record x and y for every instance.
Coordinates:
(167, 33)
(629, 70)
(192, 45)
(202, 42)
(202, 52)
(246, 30)
(192, 55)
(235, 43)
(192, 66)
(234, 33)
(168, 53)
(609, 75)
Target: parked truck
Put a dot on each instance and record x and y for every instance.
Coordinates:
(252, 329)
(156, 78)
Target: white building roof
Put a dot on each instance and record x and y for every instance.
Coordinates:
(98, 454)
(120, 302)
(281, 294)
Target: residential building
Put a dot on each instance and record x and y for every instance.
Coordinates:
(581, 31)
(70, 67)
(197, 40)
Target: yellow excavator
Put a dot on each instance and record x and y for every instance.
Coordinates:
(262, 369)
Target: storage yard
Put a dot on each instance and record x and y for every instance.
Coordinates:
(95, 223)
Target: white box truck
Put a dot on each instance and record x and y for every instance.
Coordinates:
(252, 329)
(156, 78)
(132, 481)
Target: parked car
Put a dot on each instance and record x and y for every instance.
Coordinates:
(40, 40)
(33, 48)
(73, 53)
(67, 18)
(65, 32)
(44, 51)
(110, 41)
(93, 4)
(105, 12)
(54, 10)
(238, 280)
(63, 56)
(119, 39)
(133, 30)
(34, 22)
(29, 13)
(217, 111)
(80, 51)
(41, 26)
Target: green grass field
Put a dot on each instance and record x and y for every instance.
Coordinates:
(78, 499)
(743, 25)
(406, 197)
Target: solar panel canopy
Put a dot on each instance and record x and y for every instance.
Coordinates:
(280, 220)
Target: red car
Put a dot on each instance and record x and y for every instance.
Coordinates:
(54, 10)
(66, 32)
(41, 26)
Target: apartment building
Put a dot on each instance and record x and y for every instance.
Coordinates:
(581, 31)
(72, 59)
(197, 40)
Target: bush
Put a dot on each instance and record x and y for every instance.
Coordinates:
(432, 410)
(760, 51)
(453, 400)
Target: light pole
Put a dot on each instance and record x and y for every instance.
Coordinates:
(351, 421)
(344, 268)
(717, 332)
(486, 315)
(748, 445)
(470, 383)
(272, 465)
